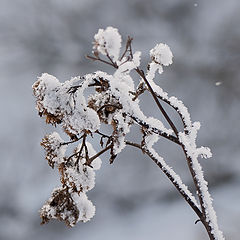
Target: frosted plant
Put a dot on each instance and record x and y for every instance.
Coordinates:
(115, 101)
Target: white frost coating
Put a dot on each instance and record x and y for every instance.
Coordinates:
(153, 67)
(47, 90)
(121, 91)
(69, 108)
(82, 208)
(57, 150)
(123, 127)
(162, 54)
(112, 103)
(150, 139)
(204, 152)
(168, 169)
(177, 104)
(85, 206)
(82, 117)
(137, 58)
(193, 152)
(83, 177)
(97, 162)
(125, 66)
(108, 41)
(188, 140)
(121, 84)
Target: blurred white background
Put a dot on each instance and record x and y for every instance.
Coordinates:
(133, 198)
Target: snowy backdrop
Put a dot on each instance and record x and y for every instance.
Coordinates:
(133, 199)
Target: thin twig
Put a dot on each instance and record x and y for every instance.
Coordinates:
(113, 63)
(91, 159)
(175, 108)
(155, 130)
(100, 59)
(128, 43)
(108, 105)
(170, 177)
(75, 140)
(102, 134)
(80, 151)
(140, 90)
(142, 74)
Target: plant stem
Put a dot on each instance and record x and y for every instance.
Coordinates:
(170, 177)
(141, 73)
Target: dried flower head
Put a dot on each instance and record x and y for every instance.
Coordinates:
(55, 151)
(108, 42)
(161, 54)
(68, 207)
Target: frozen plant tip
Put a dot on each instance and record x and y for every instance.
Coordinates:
(115, 101)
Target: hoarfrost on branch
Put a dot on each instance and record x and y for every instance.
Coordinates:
(115, 102)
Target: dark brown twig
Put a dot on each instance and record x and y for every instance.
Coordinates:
(142, 74)
(91, 159)
(109, 105)
(110, 59)
(128, 43)
(185, 196)
(157, 131)
(75, 140)
(100, 59)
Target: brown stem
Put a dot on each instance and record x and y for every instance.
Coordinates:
(128, 43)
(74, 154)
(113, 63)
(109, 105)
(201, 215)
(185, 196)
(157, 131)
(140, 90)
(199, 193)
(175, 108)
(102, 134)
(141, 73)
(99, 59)
(80, 151)
(189, 160)
(91, 159)
(67, 143)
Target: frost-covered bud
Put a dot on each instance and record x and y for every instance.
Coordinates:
(108, 41)
(121, 125)
(85, 207)
(105, 104)
(76, 174)
(60, 206)
(66, 206)
(46, 89)
(161, 54)
(54, 150)
(81, 177)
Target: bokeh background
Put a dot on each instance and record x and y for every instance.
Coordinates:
(133, 198)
